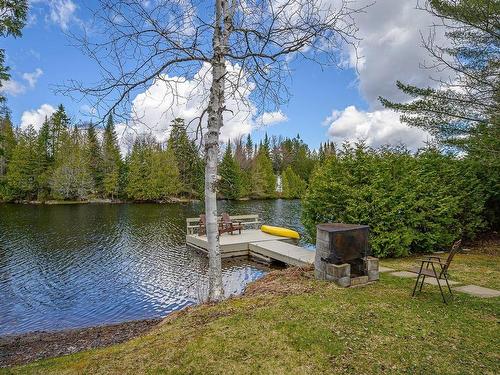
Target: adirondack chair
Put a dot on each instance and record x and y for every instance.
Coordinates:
(228, 225)
(436, 267)
(202, 225)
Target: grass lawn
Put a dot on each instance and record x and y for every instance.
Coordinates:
(289, 323)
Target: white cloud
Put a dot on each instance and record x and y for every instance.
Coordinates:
(391, 49)
(60, 12)
(32, 78)
(36, 117)
(12, 87)
(171, 97)
(271, 118)
(377, 128)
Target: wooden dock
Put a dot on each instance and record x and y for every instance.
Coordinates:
(283, 252)
(253, 243)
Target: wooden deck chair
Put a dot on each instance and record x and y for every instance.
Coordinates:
(202, 225)
(434, 266)
(228, 225)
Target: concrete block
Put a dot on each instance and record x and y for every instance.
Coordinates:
(343, 282)
(359, 280)
(373, 275)
(320, 274)
(338, 271)
(371, 263)
(322, 235)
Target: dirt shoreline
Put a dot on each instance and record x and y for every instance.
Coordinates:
(29, 347)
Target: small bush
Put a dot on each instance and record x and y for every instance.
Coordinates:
(412, 203)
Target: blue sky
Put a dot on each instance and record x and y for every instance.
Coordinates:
(325, 104)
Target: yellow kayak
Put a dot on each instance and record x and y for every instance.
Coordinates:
(279, 231)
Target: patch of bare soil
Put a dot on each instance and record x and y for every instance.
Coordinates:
(29, 347)
(294, 280)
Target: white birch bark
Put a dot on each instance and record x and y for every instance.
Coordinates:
(214, 111)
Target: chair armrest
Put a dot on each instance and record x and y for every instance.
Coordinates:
(432, 257)
(431, 261)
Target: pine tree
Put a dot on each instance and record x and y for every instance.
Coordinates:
(164, 181)
(94, 159)
(45, 161)
(249, 147)
(229, 185)
(139, 169)
(59, 125)
(152, 172)
(72, 177)
(263, 178)
(7, 142)
(189, 162)
(466, 102)
(240, 153)
(111, 161)
(266, 145)
(23, 168)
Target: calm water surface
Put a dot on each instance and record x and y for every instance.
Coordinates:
(67, 266)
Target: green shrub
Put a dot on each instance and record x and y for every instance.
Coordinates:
(412, 203)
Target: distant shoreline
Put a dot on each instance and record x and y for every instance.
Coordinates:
(54, 202)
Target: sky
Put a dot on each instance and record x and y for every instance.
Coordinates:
(325, 104)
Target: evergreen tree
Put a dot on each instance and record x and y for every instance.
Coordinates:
(240, 153)
(45, 161)
(163, 180)
(94, 159)
(249, 147)
(263, 178)
(139, 169)
(465, 102)
(59, 125)
(22, 172)
(7, 143)
(293, 186)
(462, 111)
(230, 176)
(326, 150)
(152, 172)
(189, 162)
(265, 145)
(111, 162)
(72, 177)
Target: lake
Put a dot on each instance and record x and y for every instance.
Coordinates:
(69, 266)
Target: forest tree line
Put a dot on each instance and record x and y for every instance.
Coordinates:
(63, 161)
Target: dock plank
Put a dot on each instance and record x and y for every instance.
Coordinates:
(284, 252)
(236, 244)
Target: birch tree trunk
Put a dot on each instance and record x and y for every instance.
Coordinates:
(214, 111)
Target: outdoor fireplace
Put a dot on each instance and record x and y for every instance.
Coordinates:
(343, 254)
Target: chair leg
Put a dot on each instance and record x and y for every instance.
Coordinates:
(421, 284)
(416, 284)
(447, 283)
(439, 284)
